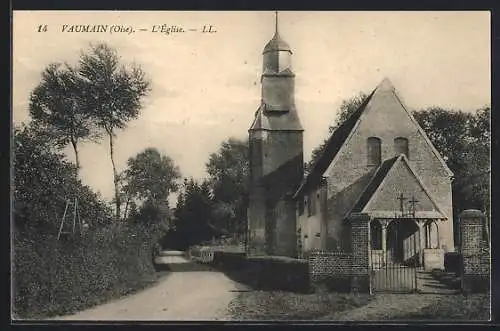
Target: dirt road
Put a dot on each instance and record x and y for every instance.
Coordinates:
(182, 295)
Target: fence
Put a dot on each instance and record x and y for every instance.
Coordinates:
(205, 253)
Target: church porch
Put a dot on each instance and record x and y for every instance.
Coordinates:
(412, 242)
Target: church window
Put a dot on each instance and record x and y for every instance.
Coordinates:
(374, 150)
(401, 146)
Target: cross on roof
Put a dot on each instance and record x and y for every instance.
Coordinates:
(413, 203)
(401, 199)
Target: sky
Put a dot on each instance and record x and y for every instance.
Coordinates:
(206, 86)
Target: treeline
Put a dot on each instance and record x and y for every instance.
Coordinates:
(113, 252)
(215, 207)
(106, 256)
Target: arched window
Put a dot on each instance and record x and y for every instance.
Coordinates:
(374, 150)
(401, 146)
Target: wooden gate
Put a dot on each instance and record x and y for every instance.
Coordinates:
(387, 274)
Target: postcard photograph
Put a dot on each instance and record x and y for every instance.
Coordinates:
(251, 166)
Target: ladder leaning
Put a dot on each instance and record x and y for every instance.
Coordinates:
(75, 221)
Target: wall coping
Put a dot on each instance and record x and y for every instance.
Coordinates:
(471, 213)
(329, 253)
(360, 217)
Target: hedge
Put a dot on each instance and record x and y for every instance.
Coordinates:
(52, 277)
(266, 272)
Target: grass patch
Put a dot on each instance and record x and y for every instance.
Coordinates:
(276, 305)
(475, 307)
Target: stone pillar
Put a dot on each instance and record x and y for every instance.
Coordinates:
(438, 235)
(360, 241)
(384, 225)
(474, 249)
(428, 235)
(421, 237)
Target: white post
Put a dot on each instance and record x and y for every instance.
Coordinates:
(420, 225)
(384, 224)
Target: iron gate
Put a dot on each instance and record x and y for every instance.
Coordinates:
(389, 274)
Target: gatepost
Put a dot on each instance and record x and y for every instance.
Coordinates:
(360, 234)
(475, 253)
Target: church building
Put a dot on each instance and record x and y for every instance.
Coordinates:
(378, 162)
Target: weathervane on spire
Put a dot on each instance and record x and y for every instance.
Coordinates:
(276, 21)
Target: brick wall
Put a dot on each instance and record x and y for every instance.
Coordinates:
(325, 264)
(332, 270)
(342, 271)
(475, 252)
(360, 233)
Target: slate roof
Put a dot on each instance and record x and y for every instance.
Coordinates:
(374, 184)
(267, 118)
(277, 44)
(333, 146)
(283, 73)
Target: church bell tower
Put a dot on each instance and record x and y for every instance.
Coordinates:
(276, 156)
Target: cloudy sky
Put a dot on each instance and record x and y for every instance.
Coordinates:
(206, 87)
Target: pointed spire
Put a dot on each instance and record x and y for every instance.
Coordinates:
(276, 44)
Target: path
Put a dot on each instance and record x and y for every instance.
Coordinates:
(391, 306)
(187, 293)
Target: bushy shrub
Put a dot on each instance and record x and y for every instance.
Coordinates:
(229, 260)
(271, 273)
(43, 180)
(52, 277)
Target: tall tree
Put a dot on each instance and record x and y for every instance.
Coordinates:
(463, 139)
(113, 95)
(192, 213)
(448, 130)
(56, 105)
(149, 178)
(228, 171)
